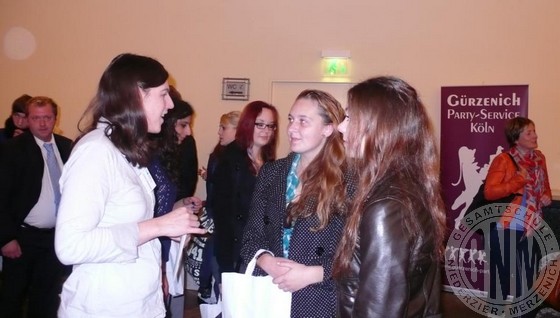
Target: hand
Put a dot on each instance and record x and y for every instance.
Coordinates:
(203, 173)
(17, 132)
(11, 249)
(193, 202)
(179, 222)
(298, 276)
(546, 200)
(174, 224)
(269, 264)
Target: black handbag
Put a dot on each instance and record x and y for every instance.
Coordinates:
(479, 200)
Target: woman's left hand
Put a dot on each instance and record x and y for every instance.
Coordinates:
(192, 203)
(179, 222)
(298, 276)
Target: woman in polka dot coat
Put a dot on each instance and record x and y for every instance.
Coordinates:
(295, 211)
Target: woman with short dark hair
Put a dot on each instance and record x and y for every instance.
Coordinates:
(525, 176)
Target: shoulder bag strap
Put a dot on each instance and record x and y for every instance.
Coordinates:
(514, 162)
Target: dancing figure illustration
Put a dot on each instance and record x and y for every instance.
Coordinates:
(472, 176)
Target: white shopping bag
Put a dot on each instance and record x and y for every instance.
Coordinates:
(248, 296)
(210, 310)
(174, 269)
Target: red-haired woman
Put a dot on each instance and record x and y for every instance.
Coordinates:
(240, 163)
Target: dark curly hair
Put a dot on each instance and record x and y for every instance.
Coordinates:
(166, 141)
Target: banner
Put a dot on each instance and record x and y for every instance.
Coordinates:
(472, 133)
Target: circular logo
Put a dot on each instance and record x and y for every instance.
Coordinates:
(502, 261)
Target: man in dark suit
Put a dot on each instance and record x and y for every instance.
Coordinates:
(30, 167)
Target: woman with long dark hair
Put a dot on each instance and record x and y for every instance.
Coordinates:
(165, 169)
(388, 261)
(105, 226)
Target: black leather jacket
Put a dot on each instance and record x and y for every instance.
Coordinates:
(390, 274)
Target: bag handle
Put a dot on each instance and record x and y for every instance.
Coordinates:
(514, 162)
(253, 262)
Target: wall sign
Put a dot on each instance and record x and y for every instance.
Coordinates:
(235, 88)
(473, 120)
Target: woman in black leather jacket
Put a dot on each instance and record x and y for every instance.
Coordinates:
(388, 261)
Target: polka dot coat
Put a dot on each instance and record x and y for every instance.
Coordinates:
(264, 231)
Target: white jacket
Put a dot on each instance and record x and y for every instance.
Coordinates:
(103, 199)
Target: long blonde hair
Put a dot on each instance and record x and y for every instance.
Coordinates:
(322, 180)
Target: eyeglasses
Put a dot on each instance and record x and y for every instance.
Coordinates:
(262, 126)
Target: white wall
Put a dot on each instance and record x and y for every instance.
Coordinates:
(429, 43)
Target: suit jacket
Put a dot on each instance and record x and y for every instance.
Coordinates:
(21, 171)
(308, 247)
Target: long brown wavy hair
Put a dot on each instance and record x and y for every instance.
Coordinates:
(389, 133)
(322, 181)
(118, 101)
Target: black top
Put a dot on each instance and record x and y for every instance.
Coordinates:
(233, 188)
(188, 176)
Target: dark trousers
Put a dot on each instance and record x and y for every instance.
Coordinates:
(209, 268)
(514, 263)
(206, 272)
(36, 276)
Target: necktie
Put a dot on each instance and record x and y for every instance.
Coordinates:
(54, 171)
